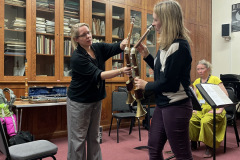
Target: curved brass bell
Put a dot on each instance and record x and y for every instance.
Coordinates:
(140, 110)
(130, 98)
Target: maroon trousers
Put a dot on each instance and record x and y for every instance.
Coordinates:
(171, 123)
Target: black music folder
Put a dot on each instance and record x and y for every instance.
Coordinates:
(195, 102)
(214, 95)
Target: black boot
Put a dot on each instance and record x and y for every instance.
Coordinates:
(193, 145)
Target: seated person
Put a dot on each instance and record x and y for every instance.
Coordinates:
(200, 127)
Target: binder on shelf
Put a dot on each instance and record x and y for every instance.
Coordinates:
(214, 95)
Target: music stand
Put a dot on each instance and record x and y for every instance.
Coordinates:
(216, 98)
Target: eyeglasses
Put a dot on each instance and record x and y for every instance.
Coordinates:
(85, 34)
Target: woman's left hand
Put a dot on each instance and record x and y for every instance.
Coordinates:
(124, 43)
(139, 83)
(143, 50)
(218, 111)
(127, 70)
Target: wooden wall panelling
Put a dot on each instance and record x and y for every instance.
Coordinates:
(205, 23)
(150, 4)
(183, 4)
(136, 3)
(203, 48)
(198, 20)
(192, 10)
(204, 16)
(119, 1)
(193, 30)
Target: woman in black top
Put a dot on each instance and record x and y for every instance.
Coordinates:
(171, 67)
(86, 91)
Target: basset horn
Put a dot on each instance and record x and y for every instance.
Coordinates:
(129, 83)
(138, 92)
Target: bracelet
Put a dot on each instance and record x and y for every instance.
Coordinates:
(120, 71)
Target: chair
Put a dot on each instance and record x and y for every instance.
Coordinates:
(121, 110)
(231, 114)
(27, 151)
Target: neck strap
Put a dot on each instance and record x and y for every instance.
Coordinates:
(206, 80)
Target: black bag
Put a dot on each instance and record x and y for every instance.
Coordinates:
(21, 137)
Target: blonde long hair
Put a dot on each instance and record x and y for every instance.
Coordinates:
(75, 33)
(172, 25)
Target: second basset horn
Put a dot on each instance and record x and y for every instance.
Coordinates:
(129, 83)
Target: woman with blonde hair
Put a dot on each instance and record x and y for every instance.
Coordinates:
(201, 123)
(171, 67)
(87, 90)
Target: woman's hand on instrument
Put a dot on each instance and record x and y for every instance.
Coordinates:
(143, 50)
(127, 70)
(124, 43)
(139, 83)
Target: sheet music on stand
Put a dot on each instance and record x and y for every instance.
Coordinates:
(214, 95)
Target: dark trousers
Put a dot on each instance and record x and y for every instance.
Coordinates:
(171, 123)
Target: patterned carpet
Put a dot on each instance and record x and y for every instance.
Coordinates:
(124, 150)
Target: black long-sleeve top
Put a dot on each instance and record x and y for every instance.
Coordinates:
(86, 85)
(171, 73)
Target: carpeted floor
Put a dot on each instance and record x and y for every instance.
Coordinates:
(124, 150)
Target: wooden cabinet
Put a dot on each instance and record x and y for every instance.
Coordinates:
(38, 31)
(14, 35)
(41, 35)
